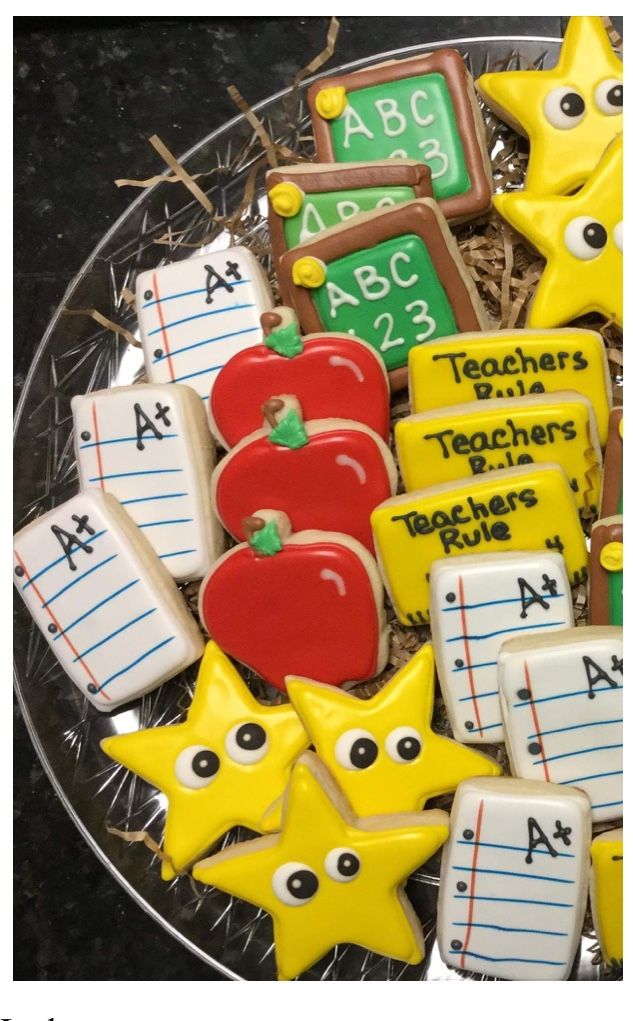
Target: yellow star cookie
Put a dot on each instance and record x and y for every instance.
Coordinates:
(382, 751)
(570, 113)
(580, 235)
(329, 877)
(227, 765)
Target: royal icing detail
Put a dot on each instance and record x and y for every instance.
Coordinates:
(513, 885)
(394, 277)
(570, 112)
(511, 363)
(150, 447)
(606, 571)
(525, 508)
(105, 604)
(330, 877)
(423, 108)
(382, 751)
(606, 890)
(580, 236)
(561, 697)
(196, 314)
(309, 604)
(469, 439)
(612, 480)
(226, 765)
(327, 474)
(478, 603)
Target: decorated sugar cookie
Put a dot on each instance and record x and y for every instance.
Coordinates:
(105, 603)
(606, 890)
(612, 480)
(511, 363)
(561, 697)
(382, 751)
(524, 508)
(469, 439)
(327, 474)
(581, 238)
(308, 603)
(478, 603)
(570, 112)
(196, 314)
(394, 277)
(513, 885)
(330, 877)
(227, 765)
(423, 108)
(150, 447)
(606, 566)
(333, 375)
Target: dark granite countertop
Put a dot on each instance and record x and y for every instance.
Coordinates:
(89, 93)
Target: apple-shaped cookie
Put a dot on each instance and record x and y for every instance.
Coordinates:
(308, 604)
(328, 474)
(334, 375)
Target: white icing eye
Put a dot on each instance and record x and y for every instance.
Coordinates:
(609, 96)
(246, 743)
(564, 108)
(404, 744)
(356, 749)
(342, 864)
(618, 235)
(295, 883)
(585, 237)
(196, 766)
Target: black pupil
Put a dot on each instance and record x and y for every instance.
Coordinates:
(572, 104)
(408, 748)
(250, 736)
(615, 95)
(363, 752)
(348, 864)
(302, 884)
(205, 764)
(595, 235)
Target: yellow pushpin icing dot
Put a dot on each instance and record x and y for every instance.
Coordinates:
(309, 272)
(286, 198)
(612, 556)
(330, 103)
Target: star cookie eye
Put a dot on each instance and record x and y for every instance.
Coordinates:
(618, 235)
(246, 743)
(196, 766)
(342, 865)
(404, 744)
(356, 749)
(564, 108)
(585, 237)
(609, 96)
(295, 883)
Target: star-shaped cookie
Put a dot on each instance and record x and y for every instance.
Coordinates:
(580, 236)
(227, 765)
(569, 113)
(382, 751)
(329, 877)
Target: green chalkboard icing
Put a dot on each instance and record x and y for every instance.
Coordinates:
(615, 598)
(326, 209)
(414, 118)
(388, 295)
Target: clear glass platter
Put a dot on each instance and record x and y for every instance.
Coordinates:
(77, 355)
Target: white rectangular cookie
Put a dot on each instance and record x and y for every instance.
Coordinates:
(561, 698)
(514, 879)
(109, 610)
(477, 603)
(149, 445)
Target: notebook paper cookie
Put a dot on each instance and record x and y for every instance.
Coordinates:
(561, 698)
(107, 606)
(195, 314)
(525, 508)
(478, 603)
(606, 894)
(149, 446)
(513, 884)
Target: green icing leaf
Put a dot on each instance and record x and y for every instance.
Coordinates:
(289, 432)
(266, 540)
(286, 341)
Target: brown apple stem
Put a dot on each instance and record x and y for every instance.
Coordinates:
(270, 321)
(270, 410)
(252, 525)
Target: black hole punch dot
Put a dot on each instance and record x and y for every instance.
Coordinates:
(52, 628)
(19, 572)
(523, 694)
(459, 663)
(595, 235)
(469, 725)
(148, 295)
(85, 435)
(92, 688)
(158, 353)
(468, 834)
(205, 764)
(615, 96)
(461, 886)
(303, 884)
(456, 944)
(534, 748)
(572, 104)
(450, 597)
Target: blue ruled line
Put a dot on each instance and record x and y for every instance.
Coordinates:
(569, 694)
(130, 475)
(131, 666)
(113, 634)
(513, 847)
(81, 577)
(208, 340)
(519, 875)
(187, 294)
(147, 499)
(494, 602)
(199, 315)
(506, 928)
(130, 439)
(96, 607)
(59, 560)
(514, 900)
(504, 631)
(582, 751)
(508, 960)
(574, 726)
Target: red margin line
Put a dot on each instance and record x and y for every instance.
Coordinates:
(535, 720)
(471, 679)
(95, 426)
(162, 326)
(473, 866)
